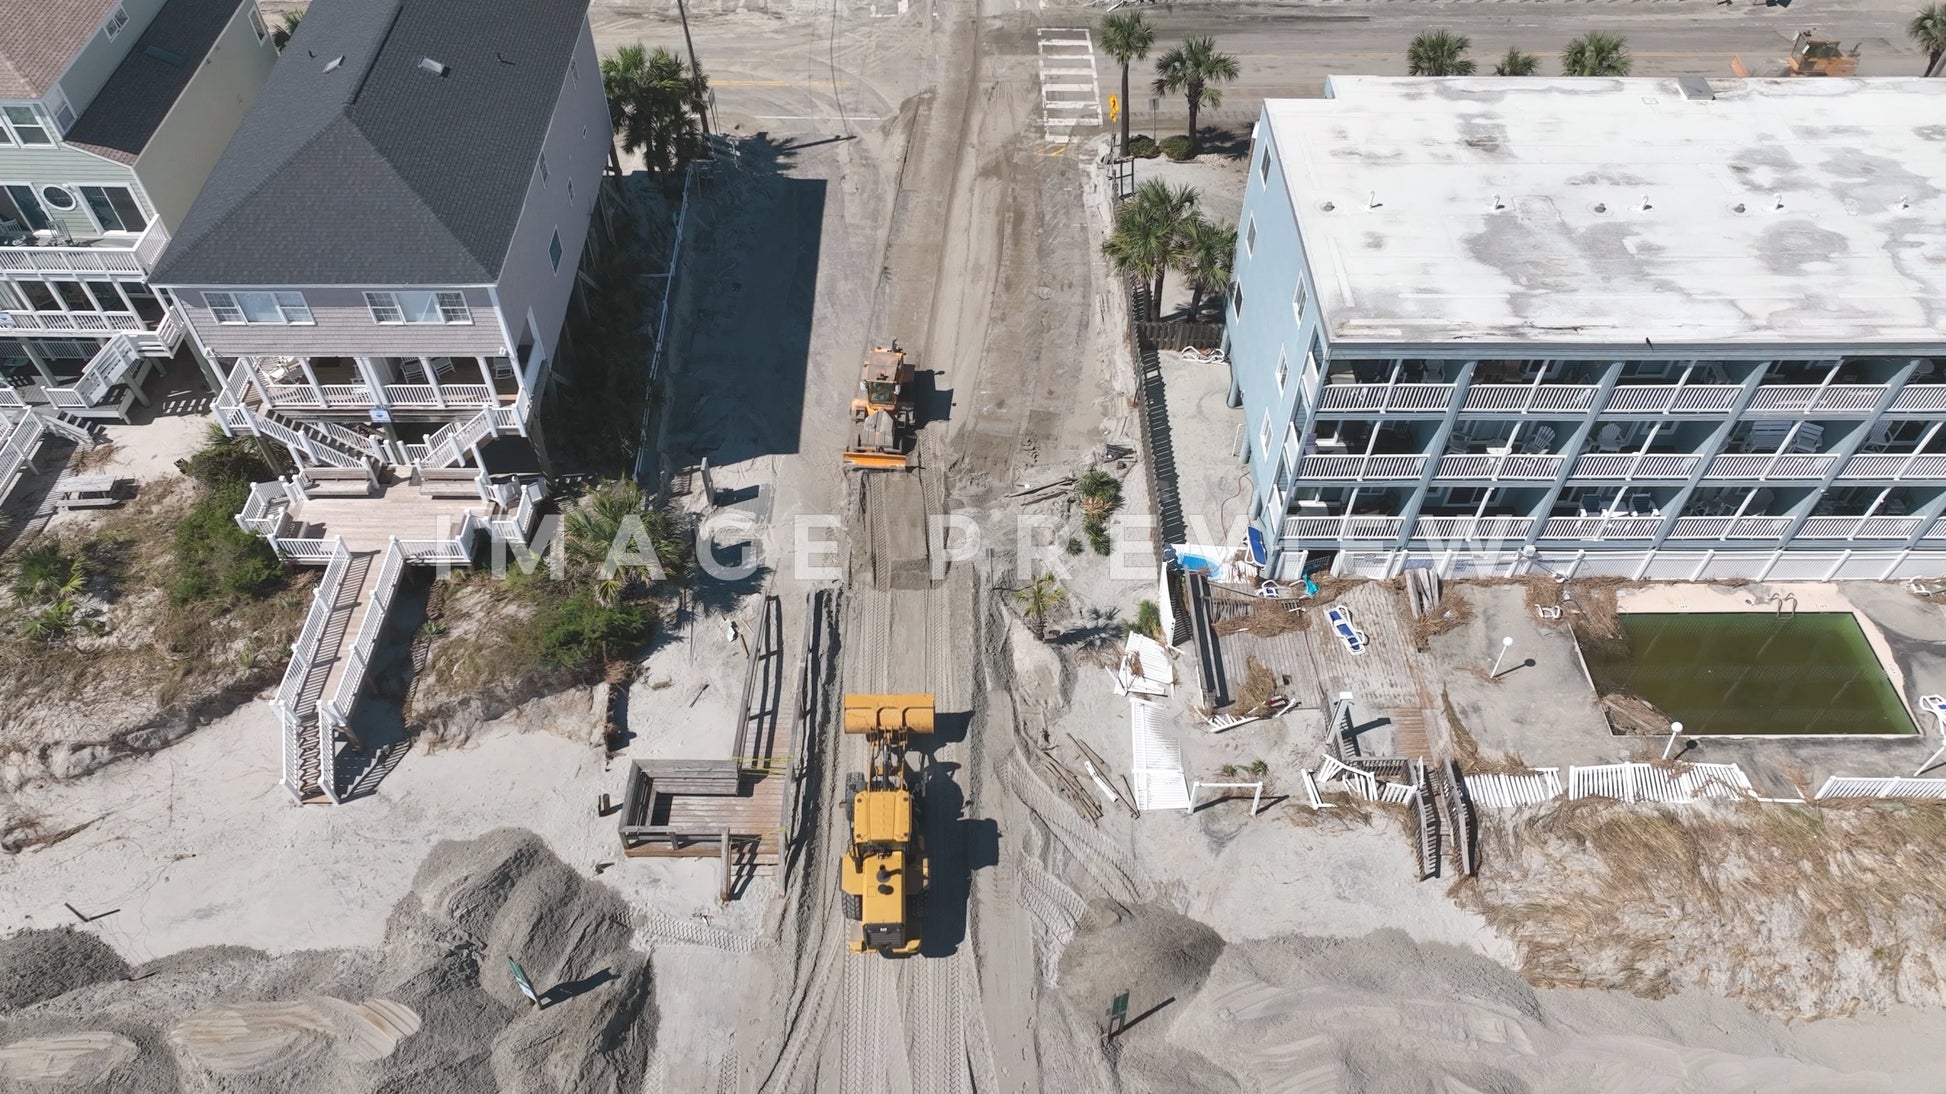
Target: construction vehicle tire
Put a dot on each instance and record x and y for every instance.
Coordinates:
(854, 786)
(853, 905)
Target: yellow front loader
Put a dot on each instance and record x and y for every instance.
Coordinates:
(882, 414)
(884, 873)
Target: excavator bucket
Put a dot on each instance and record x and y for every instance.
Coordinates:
(888, 713)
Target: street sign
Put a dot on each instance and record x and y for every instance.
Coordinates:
(520, 981)
(1118, 1014)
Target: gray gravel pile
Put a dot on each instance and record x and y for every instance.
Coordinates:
(444, 959)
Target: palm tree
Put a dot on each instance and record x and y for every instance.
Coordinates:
(655, 103)
(616, 516)
(1127, 37)
(1516, 63)
(280, 36)
(1928, 31)
(1038, 598)
(1439, 53)
(1194, 68)
(1148, 233)
(1204, 258)
(1596, 54)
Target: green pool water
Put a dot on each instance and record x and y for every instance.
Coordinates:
(1753, 674)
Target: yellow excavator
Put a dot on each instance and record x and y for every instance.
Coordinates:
(884, 873)
(882, 413)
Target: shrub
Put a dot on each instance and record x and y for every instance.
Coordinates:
(223, 460)
(579, 632)
(215, 559)
(1099, 495)
(1148, 619)
(40, 571)
(1098, 537)
(1074, 545)
(1143, 147)
(1177, 148)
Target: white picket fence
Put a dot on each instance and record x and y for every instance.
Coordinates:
(1508, 791)
(1643, 782)
(1839, 786)
(1156, 767)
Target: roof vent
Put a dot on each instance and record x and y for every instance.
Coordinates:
(334, 63)
(167, 57)
(1695, 88)
(434, 67)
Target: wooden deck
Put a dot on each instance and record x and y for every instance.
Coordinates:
(368, 523)
(670, 812)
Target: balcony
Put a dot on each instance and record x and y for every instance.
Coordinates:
(1526, 398)
(1673, 398)
(109, 254)
(1797, 399)
(1729, 527)
(1861, 527)
(1773, 467)
(1470, 529)
(1894, 468)
(1361, 468)
(1343, 528)
(1637, 467)
(1387, 398)
(1512, 466)
(341, 387)
(1596, 528)
(86, 322)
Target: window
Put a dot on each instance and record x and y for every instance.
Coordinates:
(418, 307)
(543, 169)
(116, 21)
(222, 306)
(114, 208)
(1283, 370)
(1263, 165)
(20, 208)
(57, 197)
(554, 251)
(384, 307)
(26, 124)
(257, 23)
(1263, 435)
(38, 296)
(73, 296)
(259, 307)
(1236, 299)
(107, 297)
(452, 308)
(1298, 298)
(63, 112)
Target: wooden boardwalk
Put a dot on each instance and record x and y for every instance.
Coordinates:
(369, 523)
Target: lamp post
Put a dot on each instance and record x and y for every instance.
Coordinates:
(1675, 731)
(1506, 644)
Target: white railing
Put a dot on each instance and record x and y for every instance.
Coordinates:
(232, 411)
(1346, 528)
(110, 365)
(1760, 527)
(1468, 529)
(18, 442)
(315, 450)
(304, 652)
(1777, 466)
(304, 551)
(1928, 397)
(355, 441)
(358, 654)
(457, 549)
(1510, 466)
(106, 257)
(165, 340)
(1803, 398)
(1701, 527)
(263, 514)
(514, 527)
(150, 246)
(1384, 397)
(1602, 528)
(1840, 786)
(1861, 527)
(1361, 467)
(1673, 398)
(1522, 398)
(99, 322)
(1895, 467)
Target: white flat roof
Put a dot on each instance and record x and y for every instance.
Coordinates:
(1803, 211)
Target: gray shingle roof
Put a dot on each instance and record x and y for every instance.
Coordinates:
(131, 105)
(39, 37)
(379, 172)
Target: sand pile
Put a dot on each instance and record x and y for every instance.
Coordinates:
(432, 1008)
(1383, 1013)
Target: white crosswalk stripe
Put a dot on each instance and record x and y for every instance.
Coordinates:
(1068, 102)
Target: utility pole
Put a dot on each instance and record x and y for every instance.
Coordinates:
(695, 70)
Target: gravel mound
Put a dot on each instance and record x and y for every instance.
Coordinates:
(1148, 950)
(37, 965)
(433, 1008)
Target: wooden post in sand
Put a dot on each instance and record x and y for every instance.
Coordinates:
(723, 892)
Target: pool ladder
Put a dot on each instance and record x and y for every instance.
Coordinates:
(1781, 599)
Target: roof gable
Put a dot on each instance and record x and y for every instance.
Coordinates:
(357, 165)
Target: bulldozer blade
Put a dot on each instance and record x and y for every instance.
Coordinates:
(878, 461)
(908, 713)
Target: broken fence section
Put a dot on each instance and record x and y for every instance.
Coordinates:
(1845, 787)
(1156, 769)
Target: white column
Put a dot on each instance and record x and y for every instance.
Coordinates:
(432, 378)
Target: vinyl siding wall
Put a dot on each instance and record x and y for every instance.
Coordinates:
(528, 280)
(98, 59)
(184, 149)
(68, 166)
(344, 327)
